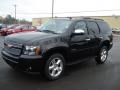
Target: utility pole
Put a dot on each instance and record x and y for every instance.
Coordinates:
(52, 8)
(15, 13)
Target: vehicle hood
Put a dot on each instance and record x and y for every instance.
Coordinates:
(29, 37)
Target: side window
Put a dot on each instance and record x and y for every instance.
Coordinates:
(25, 27)
(93, 28)
(31, 27)
(81, 25)
(104, 27)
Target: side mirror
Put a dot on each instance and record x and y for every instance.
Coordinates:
(79, 32)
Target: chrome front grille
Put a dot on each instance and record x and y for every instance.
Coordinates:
(13, 48)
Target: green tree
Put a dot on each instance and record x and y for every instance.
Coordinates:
(9, 19)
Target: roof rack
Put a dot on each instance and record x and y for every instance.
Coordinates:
(80, 18)
(64, 18)
(99, 19)
(93, 18)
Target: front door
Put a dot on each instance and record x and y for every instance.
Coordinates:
(79, 43)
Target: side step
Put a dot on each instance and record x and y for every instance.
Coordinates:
(79, 61)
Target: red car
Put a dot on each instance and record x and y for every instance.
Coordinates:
(3, 31)
(21, 28)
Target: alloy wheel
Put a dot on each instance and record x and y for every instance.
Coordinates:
(55, 67)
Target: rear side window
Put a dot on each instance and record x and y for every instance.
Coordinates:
(104, 27)
(93, 28)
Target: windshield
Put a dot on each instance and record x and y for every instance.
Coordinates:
(55, 26)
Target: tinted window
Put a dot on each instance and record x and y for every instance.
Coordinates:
(104, 27)
(81, 25)
(93, 28)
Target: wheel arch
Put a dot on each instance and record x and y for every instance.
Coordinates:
(105, 43)
(61, 50)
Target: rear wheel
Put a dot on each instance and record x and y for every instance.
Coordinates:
(102, 56)
(54, 67)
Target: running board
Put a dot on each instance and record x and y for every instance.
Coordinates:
(79, 61)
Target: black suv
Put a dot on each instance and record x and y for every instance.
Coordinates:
(57, 43)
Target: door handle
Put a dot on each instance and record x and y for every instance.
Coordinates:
(88, 39)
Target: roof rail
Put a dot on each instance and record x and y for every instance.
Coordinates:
(87, 18)
(80, 18)
(64, 18)
(98, 19)
(93, 18)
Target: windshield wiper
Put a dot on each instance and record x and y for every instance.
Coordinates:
(49, 31)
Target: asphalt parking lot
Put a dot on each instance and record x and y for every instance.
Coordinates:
(83, 76)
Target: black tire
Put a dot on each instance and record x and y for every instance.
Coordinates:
(49, 62)
(99, 57)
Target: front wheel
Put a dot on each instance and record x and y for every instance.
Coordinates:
(102, 56)
(54, 67)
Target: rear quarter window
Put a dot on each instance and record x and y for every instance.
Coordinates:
(104, 27)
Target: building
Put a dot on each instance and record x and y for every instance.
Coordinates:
(39, 21)
(113, 21)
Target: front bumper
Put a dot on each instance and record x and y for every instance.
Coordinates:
(24, 62)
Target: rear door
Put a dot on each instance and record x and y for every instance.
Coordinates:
(94, 36)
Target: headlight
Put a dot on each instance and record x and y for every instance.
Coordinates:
(32, 50)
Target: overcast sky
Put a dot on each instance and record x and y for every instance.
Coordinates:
(29, 9)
